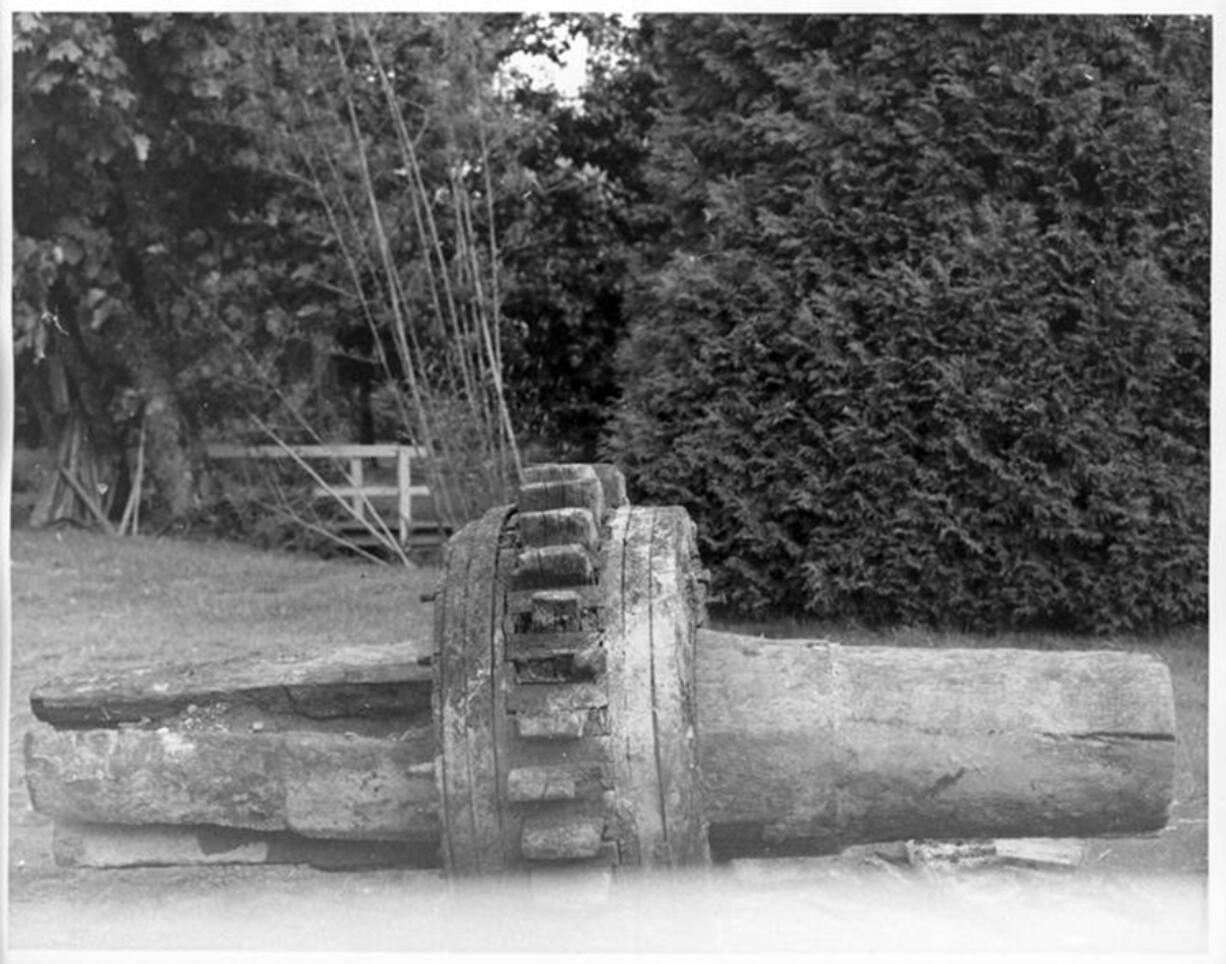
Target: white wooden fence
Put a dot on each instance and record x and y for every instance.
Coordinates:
(356, 491)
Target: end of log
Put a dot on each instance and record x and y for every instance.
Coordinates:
(809, 747)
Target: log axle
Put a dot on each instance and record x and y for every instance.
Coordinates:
(576, 712)
(804, 747)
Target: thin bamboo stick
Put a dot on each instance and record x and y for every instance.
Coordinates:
(88, 501)
(131, 511)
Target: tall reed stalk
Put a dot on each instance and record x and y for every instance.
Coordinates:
(421, 261)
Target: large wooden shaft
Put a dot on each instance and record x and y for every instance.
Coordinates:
(808, 747)
(803, 746)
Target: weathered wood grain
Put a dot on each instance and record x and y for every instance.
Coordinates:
(807, 746)
(313, 784)
(370, 682)
(469, 634)
(658, 804)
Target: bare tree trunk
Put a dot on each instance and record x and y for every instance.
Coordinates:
(171, 462)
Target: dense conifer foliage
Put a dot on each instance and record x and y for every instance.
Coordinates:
(932, 340)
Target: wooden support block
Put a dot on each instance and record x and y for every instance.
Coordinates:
(547, 837)
(159, 845)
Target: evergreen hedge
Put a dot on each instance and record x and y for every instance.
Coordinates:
(932, 344)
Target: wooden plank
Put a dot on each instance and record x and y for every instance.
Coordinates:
(674, 559)
(658, 806)
(105, 846)
(356, 491)
(352, 525)
(370, 491)
(366, 682)
(404, 490)
(636, 811)
(468, 634)
(453, 764)
(484, 710)
(219, 450)
(357, 485)
(313, 784)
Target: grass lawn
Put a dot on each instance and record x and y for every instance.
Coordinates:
(85, 603)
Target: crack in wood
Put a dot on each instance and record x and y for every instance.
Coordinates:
(945, 782)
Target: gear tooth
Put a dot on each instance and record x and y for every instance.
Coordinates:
(543, 644)
(548, 566)
(527, 601)
(559, 472)
(555, 608)
(555, 527)
(532, 784)
(613, 483)
(555, 726)
(555, 654)
(567, 781)
(550, 837)
(556, 698)
(562, 487)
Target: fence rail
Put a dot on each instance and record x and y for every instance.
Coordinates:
(357, 491)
